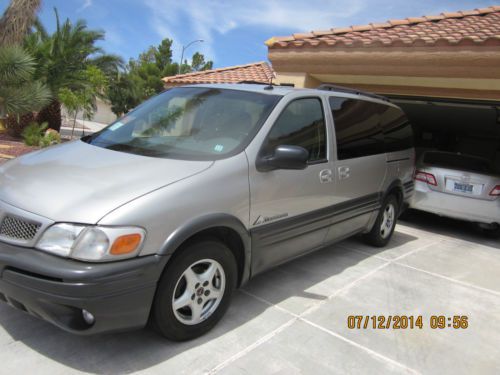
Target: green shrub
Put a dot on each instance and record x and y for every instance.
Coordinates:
(39, 136)
(33, 133)
(51, 137)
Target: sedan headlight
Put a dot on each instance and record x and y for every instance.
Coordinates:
(92, 243)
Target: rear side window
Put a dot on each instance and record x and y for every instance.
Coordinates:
(301, 123)
(398, 134)
(357, 128)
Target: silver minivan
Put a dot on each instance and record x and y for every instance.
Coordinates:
(161, 215)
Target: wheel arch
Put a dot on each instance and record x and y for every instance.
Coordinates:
(396, 188)
(226, 228)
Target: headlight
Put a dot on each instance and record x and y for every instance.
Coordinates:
(92, 243)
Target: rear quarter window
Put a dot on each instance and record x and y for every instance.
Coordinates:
(398, 134)
(357, 129)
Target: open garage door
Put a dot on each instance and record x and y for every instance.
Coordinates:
(467, 127)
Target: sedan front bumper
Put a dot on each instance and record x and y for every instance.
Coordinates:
(119, 295)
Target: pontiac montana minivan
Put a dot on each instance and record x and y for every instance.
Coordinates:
(161, 215)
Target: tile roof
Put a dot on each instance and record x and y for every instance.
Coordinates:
(255, 72)
(464, 27)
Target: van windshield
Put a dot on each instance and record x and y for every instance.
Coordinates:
(192, 123)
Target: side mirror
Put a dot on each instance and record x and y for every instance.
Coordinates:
(284, 157)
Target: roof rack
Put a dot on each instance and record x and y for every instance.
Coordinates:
(332, 87)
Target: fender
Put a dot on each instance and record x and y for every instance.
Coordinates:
(201, 223)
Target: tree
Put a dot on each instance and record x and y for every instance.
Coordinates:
(20, 94)
(17, 20)
(63, 57)
(142, 77)
(84, 99)
(198, 63)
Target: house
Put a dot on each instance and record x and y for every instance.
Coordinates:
(259, 72)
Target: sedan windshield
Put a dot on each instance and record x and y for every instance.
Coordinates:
(192, 123)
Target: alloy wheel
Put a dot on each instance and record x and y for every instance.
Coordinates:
(387, 220)
(198, 292)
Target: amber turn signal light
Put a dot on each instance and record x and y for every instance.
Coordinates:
(126, 244)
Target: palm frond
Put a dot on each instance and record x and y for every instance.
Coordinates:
(15, 65)
(31, 96)
(17, 20)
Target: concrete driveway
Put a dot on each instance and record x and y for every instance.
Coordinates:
(294, 319)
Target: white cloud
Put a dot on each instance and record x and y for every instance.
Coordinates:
(85, 5)
(187, 20)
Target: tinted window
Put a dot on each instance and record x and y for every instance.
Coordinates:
(301, 124)
(459, 162)
(356, 128)
(397, 131)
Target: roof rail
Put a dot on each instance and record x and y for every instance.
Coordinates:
(332, 87)
(252, 83)
(268, 84)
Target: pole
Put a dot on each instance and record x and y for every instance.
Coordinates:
(185, 48)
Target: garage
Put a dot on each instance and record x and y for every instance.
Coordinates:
(466, 127)
(443, 70)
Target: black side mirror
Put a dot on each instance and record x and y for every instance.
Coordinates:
(284, 157)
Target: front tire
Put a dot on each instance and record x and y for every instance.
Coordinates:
(384, 226)
(195, 290)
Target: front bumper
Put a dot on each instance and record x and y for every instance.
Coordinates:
(119, 294)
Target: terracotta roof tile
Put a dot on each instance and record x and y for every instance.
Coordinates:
(256, 72)
(478, 26)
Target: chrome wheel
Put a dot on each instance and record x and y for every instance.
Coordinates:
(388, 218)
(198, 292)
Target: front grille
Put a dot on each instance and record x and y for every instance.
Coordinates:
(18, 229)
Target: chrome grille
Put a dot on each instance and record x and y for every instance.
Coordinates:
(18, 229)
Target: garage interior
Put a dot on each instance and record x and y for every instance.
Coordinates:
(466, 127)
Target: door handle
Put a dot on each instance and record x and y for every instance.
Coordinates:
(325, 176)
(344, 172)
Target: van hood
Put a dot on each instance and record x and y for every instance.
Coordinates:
(78, 182)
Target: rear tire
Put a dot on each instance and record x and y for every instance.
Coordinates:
(384, 226)
(195, 290)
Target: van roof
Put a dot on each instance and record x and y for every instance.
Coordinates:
(284, 90)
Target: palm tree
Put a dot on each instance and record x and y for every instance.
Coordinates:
(17, 20)
(19, 93)
(63, 58)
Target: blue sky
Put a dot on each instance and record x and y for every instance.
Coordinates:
(233, 31)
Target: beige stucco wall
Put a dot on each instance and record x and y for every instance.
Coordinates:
(468, 71)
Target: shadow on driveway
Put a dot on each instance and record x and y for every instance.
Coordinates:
(461, 229)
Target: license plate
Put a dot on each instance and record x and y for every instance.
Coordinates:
(463, 187)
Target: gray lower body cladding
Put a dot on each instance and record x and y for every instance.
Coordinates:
(119, 295)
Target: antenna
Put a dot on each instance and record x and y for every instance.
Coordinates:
(270, 86)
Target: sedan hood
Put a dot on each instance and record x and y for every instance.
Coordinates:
(78, 182)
